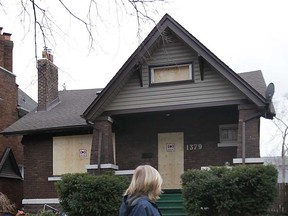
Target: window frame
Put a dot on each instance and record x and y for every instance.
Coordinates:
(153, 67)
(227, 143)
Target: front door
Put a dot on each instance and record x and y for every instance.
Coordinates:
(171, 159)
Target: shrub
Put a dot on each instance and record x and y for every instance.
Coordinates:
(85, 194)
(243, 190)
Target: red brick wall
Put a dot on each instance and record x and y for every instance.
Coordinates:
(9, 96)
(6, 51)
(38, 167)
(105, 127)
(252, 131)
(136, 136)
(47, 84)
(8, 115)
(13, 189)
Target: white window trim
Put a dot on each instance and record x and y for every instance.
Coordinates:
(171, 66)
(248, 160)
(54, 178)
(124, 172)
(40, 201)
(102, 166)
(227, 144)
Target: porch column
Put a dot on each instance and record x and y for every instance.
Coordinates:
(102, 152)
(252, 132)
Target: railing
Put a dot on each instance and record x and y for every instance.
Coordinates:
(54, 210)
(280, 205)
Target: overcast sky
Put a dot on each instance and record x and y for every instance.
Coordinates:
(247, 35)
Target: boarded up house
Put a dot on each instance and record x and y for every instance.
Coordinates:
(173, 105)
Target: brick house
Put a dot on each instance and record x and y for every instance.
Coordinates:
(173, 105)
(14, 103)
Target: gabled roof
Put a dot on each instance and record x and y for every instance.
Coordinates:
(8, 166)
(64, 116)
(256, 80)
(167, 22)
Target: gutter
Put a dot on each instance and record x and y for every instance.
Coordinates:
(46, 130)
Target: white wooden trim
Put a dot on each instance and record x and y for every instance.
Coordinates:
(124, 172)
(40, 201)
(228, 144)
(102, 166)
(248, 160)
(7, 71)
(54, 178)
(205, 168)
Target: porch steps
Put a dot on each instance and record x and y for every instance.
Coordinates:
(171, 203)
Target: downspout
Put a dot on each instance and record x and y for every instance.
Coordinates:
(243, 142)
(99, 151)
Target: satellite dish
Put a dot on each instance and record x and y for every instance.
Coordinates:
(269, 92)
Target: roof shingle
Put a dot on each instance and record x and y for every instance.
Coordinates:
(65, 114)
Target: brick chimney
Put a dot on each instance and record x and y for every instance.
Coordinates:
(47, 82)
(6, 51)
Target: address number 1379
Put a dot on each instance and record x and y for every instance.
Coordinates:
(193, 147)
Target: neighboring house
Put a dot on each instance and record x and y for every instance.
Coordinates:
(14, 104)
(173, 105)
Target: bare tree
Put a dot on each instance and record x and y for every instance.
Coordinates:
(38, 16)
(281, 123)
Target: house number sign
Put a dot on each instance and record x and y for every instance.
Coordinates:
(193, 147)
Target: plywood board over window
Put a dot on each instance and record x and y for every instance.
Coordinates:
(71, 154)
(171, 73)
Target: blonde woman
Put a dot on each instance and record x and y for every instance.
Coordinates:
(144, 189)
(7, 208)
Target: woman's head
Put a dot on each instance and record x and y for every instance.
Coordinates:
(147, 181)
(5, 204)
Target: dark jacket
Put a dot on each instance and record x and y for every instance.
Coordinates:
(138, 206)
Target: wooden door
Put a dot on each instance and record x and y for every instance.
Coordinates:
(171, 159)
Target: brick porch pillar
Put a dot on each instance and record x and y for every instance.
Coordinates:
(248, 114)
(102, 152)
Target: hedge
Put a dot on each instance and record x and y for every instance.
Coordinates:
(242, 190)
(85, 194)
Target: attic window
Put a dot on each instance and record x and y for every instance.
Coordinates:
(171, 73)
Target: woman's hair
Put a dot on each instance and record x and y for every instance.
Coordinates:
(147, 181)
(5, 205)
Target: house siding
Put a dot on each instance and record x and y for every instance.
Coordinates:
(213, 88)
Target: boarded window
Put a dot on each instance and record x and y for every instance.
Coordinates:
(171, 73)
(71, 154)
